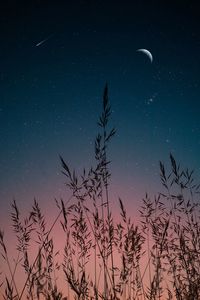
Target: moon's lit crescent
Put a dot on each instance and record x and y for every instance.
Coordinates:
(147, 52)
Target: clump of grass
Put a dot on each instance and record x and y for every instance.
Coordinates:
(157, 258)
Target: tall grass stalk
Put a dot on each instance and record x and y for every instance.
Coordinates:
(103, 257)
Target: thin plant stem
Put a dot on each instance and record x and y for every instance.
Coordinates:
(40, 249)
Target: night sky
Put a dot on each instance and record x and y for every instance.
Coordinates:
(55, 58)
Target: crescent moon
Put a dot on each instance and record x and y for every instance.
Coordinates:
(147, 52)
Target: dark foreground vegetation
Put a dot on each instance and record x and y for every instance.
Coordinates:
(104, 258)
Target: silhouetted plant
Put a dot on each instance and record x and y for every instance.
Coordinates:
(157, 258)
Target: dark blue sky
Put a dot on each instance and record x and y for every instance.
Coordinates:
(51, 93)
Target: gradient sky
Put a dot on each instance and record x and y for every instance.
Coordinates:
(51, 93)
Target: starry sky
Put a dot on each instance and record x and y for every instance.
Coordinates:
(55, 58)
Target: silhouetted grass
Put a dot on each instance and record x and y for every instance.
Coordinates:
(157, 258)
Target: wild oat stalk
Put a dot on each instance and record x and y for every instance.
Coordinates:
(94, 187)
(103, 259)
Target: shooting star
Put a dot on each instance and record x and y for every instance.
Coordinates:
(43, 41)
